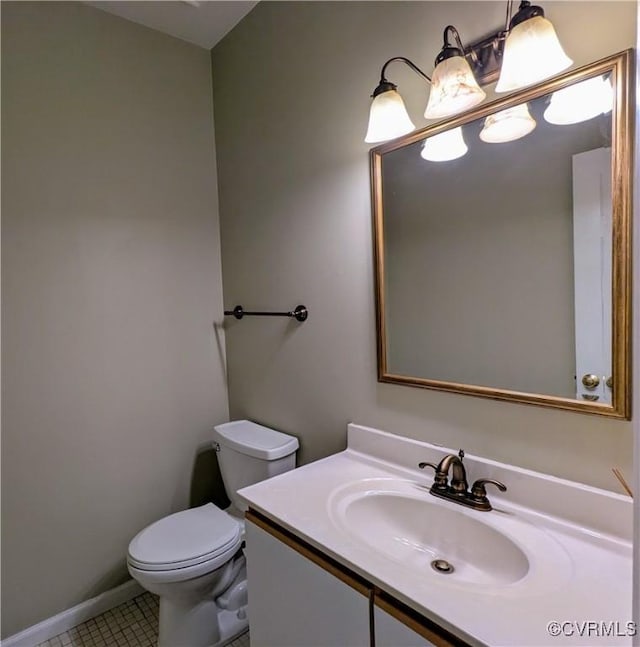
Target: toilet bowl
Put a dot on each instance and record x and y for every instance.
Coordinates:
(193, 559)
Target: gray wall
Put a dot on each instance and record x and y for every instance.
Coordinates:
(291, 93)
(112, 372)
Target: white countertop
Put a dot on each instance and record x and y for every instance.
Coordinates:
(589, 530)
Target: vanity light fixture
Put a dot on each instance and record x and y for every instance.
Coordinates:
(446, 146)
(524, 52)
(580, 102)
(508, 125)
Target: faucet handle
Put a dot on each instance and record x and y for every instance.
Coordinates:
(479, 492)
(440, 479)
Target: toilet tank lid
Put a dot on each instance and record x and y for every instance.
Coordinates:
(255, 440)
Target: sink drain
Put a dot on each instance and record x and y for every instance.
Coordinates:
(442, 566)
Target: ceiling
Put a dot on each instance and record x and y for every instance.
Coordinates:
(202, 23)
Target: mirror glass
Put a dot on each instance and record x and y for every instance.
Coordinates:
(497, 271)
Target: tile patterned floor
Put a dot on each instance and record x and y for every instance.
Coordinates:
(132, 624)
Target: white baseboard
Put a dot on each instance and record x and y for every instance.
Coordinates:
(82, 612)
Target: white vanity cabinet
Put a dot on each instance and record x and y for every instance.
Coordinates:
(299, 597)
(294, 602)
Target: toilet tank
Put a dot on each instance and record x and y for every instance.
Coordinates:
(249, 453)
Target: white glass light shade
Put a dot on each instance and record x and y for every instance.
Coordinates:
(580, 102)
(508, 125)
(454, 89)
(532, 53)
(388, 118)
(445, 146)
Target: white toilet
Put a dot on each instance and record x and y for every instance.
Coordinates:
(193, 559)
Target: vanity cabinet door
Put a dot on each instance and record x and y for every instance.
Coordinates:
(395, 625)
(296, 600)
(390, 632)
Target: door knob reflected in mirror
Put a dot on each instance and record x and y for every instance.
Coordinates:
(590, 381)
(609, 381)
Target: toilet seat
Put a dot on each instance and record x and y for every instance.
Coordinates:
(186, 539)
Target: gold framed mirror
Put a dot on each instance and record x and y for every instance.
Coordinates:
(502, 259)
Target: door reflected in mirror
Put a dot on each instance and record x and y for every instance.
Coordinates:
(502, 246)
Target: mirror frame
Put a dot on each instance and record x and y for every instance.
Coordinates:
(619, 65)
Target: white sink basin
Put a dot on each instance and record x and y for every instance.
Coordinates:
(423, 535)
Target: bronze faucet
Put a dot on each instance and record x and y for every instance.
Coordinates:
(458, 490)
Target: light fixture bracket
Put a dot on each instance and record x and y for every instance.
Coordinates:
(448, 50)
(525, 11)
(485, 57)
(384, 86)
